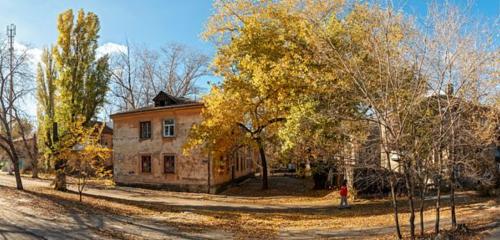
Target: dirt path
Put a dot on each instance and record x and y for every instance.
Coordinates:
(189, 201)
(27, 216)
(35, 215)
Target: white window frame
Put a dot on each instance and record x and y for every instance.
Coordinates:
(167, 126)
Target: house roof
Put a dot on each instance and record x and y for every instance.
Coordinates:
(106, 130)
(152, 108)
(163, 101)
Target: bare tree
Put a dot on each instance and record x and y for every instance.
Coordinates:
(124, 80)
(180, 69)
(140, 73)
(459, 62)
(10, 99)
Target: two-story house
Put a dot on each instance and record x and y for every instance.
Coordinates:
(147, 150)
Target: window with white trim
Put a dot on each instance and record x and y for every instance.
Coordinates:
(168, 127)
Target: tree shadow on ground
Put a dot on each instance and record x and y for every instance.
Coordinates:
(279, 186)
(233, 216)
(97, 218)
(362, 208)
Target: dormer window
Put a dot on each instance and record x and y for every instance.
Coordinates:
(163, 99)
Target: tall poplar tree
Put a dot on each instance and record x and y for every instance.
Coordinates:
(45, 94)
(81, 83)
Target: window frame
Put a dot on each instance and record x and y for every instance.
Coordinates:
(141, 137)
(164, 127)
(150, 163)
(170, 171)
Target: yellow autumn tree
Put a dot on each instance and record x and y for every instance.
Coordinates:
(84, 154)
(267, 68)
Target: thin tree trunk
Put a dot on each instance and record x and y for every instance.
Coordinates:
(453, 178)
(421, 210)
(410, 190)
(395, 208)
(438, 205)
(452, 199)
(34, 158)
(264, 164)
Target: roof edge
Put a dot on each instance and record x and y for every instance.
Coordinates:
(153, 109)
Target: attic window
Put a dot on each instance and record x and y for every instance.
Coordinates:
(163, 99)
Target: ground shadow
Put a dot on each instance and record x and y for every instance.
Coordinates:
(279, 186)
(363, 208)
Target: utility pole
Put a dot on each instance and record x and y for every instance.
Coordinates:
(11, 33)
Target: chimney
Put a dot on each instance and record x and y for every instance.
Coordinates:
(449, 89)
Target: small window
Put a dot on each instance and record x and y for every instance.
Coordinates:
(145, 130)
(169, 164)
(169, 128)
(146, 164)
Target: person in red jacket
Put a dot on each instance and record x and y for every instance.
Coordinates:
(343, 195)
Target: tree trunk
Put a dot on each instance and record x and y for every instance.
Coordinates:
(452, 199)
(60, 180)
(453, 178)
(410, 190)
(264, 164)
(15, 161)
(34, 168)
(34, 158)
(421, 211)
(395, 208)
(17, 173)
(438, 205)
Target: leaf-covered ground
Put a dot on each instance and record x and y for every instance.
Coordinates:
(288, 210)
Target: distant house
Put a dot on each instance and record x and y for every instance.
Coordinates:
(369, 156)
(23, 151)
(147, 150)
(105, 133)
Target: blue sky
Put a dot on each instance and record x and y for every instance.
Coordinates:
(151, 23)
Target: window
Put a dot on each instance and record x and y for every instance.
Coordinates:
(145, 130)
(169, 128)
(146, 163)
(169, 164)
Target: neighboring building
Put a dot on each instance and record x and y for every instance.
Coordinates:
(105, 139)
(147, 149)
(369, 156)
(23, 154)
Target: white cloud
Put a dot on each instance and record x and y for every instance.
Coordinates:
(110, 48)
(28, 103)
(35, 55)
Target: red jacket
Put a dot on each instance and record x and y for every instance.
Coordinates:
(343, 191)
